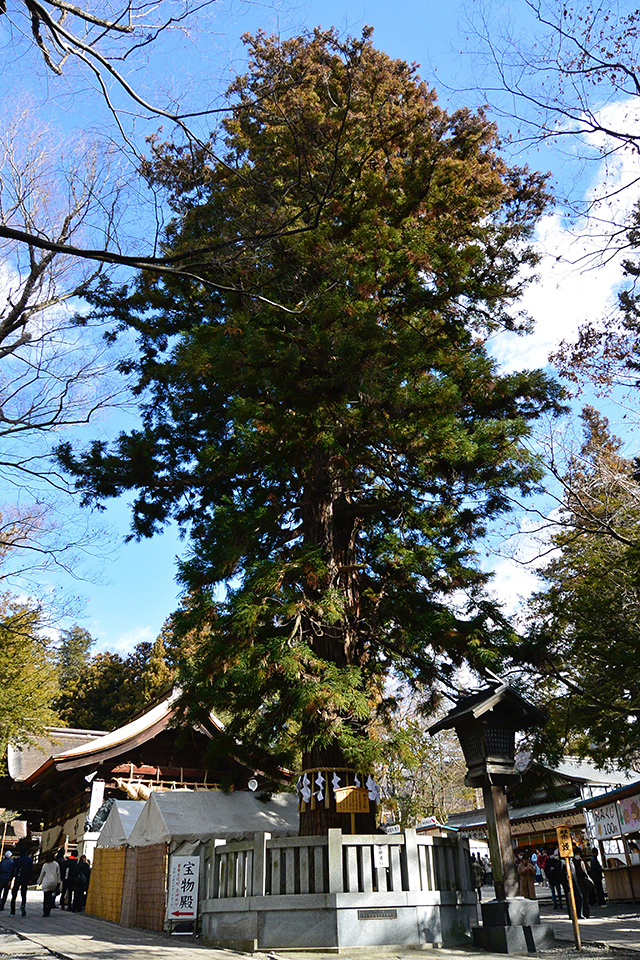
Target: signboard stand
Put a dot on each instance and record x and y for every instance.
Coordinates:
(352, 800)
(182, 899)
(565, 848)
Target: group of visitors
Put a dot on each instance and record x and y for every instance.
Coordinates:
(481, 872)
(586, 876)
(60, 874)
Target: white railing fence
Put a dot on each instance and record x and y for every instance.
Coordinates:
(335, 863)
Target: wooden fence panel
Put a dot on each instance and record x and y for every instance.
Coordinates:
(129, 883)
(151, 887)
(104, 897)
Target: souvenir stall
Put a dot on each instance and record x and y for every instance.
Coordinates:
(613, 823)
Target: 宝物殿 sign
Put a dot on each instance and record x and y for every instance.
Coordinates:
(182, 901)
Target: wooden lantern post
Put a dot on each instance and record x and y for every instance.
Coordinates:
(486, 723)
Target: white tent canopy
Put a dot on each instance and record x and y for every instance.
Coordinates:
(122, 818)
(184, 818)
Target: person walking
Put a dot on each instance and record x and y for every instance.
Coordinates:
(67, 871)
(80, 883)
(478, 876)
(59, 858)
(23, 868)
(543, 856)
(49, 879)
(582, 885)
(596, 874)
(6, 874)
(553, 869)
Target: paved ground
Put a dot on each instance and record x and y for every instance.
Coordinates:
(616, 924)
(79, 937)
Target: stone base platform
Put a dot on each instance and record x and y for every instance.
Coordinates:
(338, 921)
(512, 926)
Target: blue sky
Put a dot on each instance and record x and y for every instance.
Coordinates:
(134, 590)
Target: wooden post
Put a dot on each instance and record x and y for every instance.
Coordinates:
(574, 912)
(565, 848)
(627, 856)
(503, 863)
(4, 837)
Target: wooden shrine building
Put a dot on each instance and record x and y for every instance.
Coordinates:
(59, 783)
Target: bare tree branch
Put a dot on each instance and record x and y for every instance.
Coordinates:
(53, 375)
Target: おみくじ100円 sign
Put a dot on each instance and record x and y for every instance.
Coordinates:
(604, 822)
(182, 902)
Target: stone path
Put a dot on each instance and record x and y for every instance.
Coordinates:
(79, 937)
(616, 924)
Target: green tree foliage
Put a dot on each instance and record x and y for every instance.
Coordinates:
(73, 654)
(27, 673)
(330, 428)
(109, 690)
(422, 776)
(584, 636)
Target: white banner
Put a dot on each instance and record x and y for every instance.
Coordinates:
(604, 822)
(182, 901)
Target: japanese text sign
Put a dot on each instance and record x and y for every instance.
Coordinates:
(380, 856)
(352, 800)
(182, 902)
(565, 843)
(603, 822)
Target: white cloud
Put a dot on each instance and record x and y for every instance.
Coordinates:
(125, 643)
(513, 584)
(579, 280)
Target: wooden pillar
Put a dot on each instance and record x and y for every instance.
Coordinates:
(503, 862)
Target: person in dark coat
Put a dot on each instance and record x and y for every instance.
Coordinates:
(477, 871)
(60, 858)
(6, 875)
(67, 870)
(596, 874)
(553, 869)
(22, 870)
(582, 885)
(80, 884)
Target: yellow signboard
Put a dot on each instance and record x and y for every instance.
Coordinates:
(565, 843)
(352, 800)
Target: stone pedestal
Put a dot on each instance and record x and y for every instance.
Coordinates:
(512, 926)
